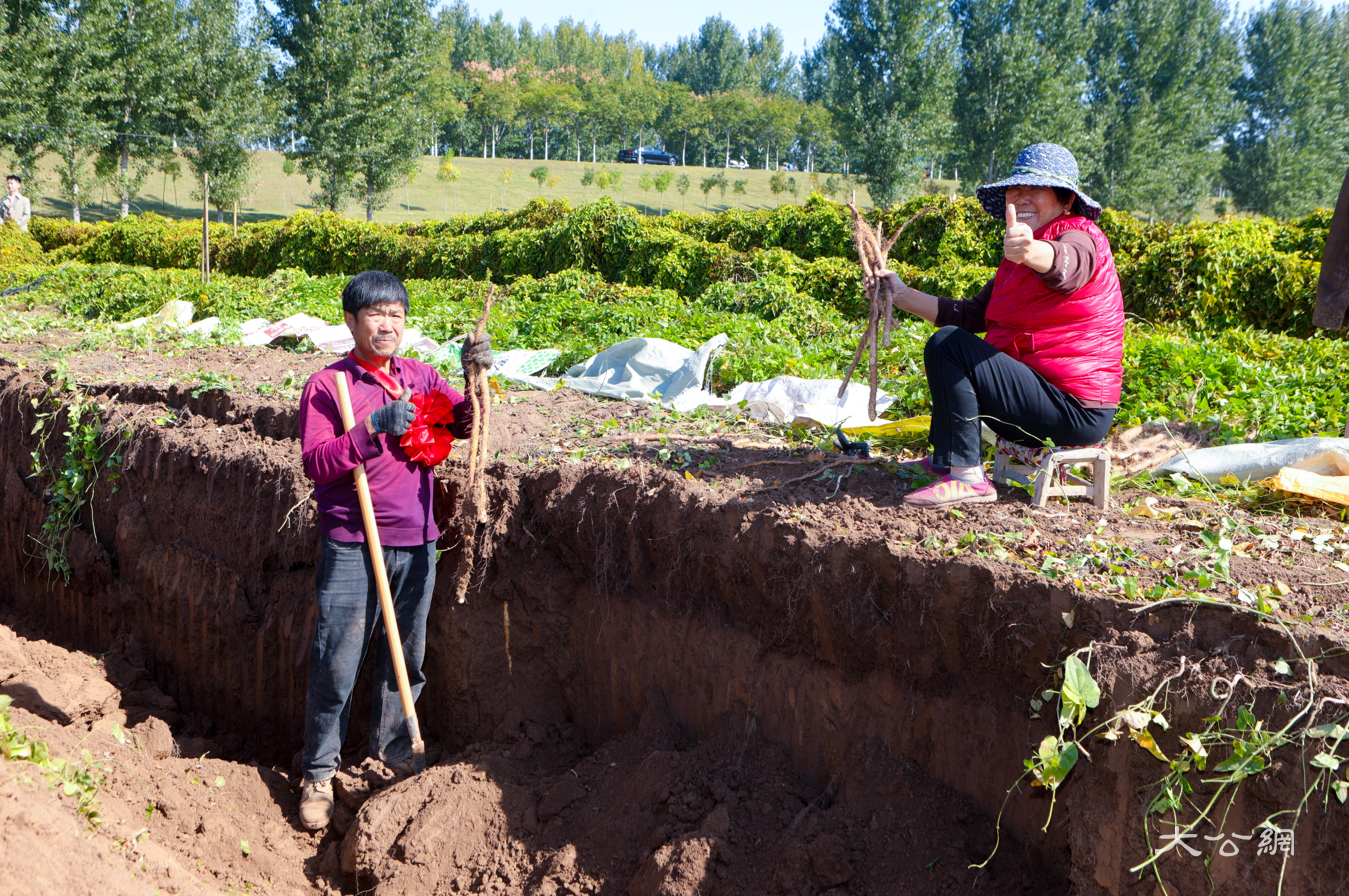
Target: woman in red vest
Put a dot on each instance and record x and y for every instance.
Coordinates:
(1049, 367)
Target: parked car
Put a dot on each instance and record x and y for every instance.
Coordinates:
(650, 156)
(737, 163)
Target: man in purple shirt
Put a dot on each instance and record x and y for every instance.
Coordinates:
(375, 306)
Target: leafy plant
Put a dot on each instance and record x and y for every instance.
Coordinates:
(70, 429)
(79, 782)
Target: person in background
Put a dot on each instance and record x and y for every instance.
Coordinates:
(1049, 368)
(15, 207)
(389, 397)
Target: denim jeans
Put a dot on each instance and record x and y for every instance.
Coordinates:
(971, 380)
(348, 618)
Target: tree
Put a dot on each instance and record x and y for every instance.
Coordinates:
(449, 174)
(662, 183)
(540, 174)
(25, 83)
(814, 128)
(357, 89)
(731, 111)
(890, 79)
(504, 176)
(707, 185)
(1160, 100)
(1288, 153)
(682, 184)
(1021, 80)
(772, 70)
(714, 60)
(139, 90)
(224, 108)
(50, 88)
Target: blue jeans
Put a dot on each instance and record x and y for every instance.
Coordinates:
(348, 618)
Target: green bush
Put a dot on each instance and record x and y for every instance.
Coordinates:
(1223, 275)
(1237, 272)
(17, 247)
(54, 233)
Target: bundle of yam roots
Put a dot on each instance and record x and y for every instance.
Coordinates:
(873, 251)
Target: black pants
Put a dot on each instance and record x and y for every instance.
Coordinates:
(971, 380)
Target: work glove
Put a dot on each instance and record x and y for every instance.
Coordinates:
(394, 417)
(477, 351)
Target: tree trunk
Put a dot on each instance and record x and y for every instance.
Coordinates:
(545, 144)
(728, 151)
(531, 144)
(75, 205)
(684, 150)
(126, 167)
(592, 149)
(369, 205)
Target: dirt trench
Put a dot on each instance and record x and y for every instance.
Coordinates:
(652, 687)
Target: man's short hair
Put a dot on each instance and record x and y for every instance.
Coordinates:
(14, 177)
(374, 288)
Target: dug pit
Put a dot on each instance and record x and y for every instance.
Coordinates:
(688, 662)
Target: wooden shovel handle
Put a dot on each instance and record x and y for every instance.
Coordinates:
(400, 669)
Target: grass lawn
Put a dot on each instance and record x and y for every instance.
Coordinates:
(479, 189)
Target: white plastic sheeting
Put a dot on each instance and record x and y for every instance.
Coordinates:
(790, 399)
(642, 370)
(1260, 460)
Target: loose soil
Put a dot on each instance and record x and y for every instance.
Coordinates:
(698, 655)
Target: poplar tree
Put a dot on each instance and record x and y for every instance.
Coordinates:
(357, 86)
(225, 109)
(141, 76)
(25, 81)
(891, 83)
(1021, 80)
(1160, 102)
(1288, 153)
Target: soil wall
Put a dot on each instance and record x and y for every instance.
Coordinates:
(592, 585)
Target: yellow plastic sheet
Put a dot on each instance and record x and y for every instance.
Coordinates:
(907, 427)
(1303, 482)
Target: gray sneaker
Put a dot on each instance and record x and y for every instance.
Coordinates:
(316, 804)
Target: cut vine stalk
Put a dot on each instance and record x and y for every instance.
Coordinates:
(873, 251)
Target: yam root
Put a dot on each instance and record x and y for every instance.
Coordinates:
(873, 252)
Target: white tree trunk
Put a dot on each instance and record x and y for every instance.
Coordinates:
(126, 168)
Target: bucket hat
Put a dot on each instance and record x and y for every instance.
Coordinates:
(1041, 165)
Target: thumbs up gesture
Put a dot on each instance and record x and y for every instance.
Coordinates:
(1017, 242)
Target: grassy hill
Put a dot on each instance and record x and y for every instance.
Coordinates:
(479, 189)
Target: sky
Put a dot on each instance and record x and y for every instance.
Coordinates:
(800, 21)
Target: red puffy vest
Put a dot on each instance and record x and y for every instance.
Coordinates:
(1075, 341)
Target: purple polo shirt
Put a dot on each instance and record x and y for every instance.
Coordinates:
(400, 489)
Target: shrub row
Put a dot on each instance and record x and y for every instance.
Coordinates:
(1259, 273)
(1256, 385)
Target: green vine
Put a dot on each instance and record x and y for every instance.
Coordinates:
(70, 429)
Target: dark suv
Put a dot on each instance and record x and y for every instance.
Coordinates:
(650, 156)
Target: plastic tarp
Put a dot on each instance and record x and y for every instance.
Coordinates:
(1261, 460)
(643, 370)
(790, 399)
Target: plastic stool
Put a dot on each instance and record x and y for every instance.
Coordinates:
(1050, 471)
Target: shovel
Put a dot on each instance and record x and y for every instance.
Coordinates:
(400, 669)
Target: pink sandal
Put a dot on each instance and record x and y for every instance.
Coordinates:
(947, 492)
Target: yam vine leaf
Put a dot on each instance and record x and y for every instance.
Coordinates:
(1080, 692)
